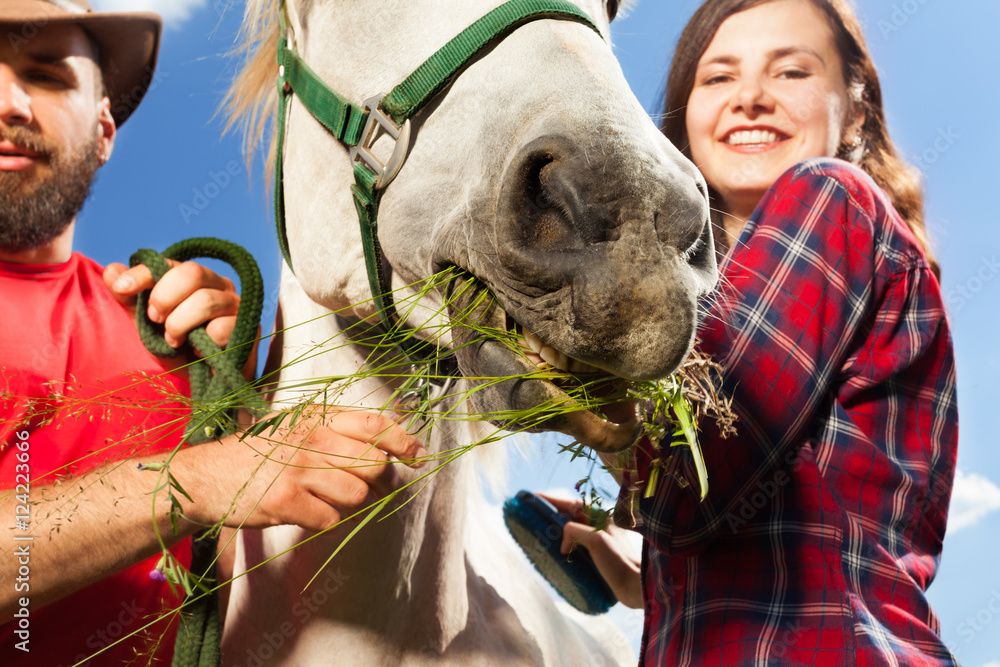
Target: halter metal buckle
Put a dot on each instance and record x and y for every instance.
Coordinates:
(386, 172)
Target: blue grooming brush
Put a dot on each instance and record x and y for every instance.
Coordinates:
(537, 527)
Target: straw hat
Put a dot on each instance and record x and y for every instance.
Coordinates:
(128, 42)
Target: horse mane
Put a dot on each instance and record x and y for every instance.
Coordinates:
(625, 7)
(251, 103)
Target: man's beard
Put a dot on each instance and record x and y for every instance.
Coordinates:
(33, 215)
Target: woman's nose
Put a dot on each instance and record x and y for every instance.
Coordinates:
(752, 97)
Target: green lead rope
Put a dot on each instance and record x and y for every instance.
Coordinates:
(218, 387)
(218, 390)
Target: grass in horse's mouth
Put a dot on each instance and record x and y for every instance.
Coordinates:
(572, 376)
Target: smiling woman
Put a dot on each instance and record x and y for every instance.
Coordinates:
(823, 525)
(816, 93)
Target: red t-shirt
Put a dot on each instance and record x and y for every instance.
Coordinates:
(76, 377)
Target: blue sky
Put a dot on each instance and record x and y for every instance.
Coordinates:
(938, 62)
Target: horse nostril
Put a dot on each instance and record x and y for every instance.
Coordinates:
(702, 186)
(537, 198)
(540, 186)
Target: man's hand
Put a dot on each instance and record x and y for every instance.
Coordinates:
(188, 296)
(615, 557)
(311, 475)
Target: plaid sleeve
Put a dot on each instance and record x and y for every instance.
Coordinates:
(800, 291)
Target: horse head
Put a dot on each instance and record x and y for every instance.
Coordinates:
(536, 171)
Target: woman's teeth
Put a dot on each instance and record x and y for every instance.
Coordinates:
(751, 137)
(545, 354)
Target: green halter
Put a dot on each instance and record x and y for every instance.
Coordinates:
(357, 126)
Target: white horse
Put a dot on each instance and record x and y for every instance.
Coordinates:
(536, 171)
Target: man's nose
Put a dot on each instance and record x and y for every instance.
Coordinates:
(15, 103)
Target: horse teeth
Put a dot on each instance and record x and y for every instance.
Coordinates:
(533, 341)
(581, 367)
(548, 355)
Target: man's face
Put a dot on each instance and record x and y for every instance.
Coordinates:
(54, 127)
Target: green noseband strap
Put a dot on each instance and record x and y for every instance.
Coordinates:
(355, 126)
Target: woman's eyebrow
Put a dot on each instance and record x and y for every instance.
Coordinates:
(793, 50)
(722, 60)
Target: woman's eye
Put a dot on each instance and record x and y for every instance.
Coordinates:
(715, 79)
(794, 74)
(612, 9)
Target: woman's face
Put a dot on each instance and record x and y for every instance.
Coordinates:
(768, 93)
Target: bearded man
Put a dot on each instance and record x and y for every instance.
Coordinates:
(82, 402)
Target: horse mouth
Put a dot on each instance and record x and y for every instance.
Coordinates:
(523, 383)
(615, 425)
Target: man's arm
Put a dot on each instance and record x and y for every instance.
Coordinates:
(91, 527)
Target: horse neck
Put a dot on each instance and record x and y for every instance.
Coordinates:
(417, 555)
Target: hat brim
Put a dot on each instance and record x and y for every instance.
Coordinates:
(129, 43)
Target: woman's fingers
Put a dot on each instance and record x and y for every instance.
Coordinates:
(616, 559)
(573, 509)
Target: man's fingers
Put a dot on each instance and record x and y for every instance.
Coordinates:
(179, 284)
(125, 283)
(339, 488)
(313, 513)
(331, 450)
(198, 308)
(379, 430)
(220, 329)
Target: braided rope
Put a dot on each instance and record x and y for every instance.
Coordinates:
(218, 389)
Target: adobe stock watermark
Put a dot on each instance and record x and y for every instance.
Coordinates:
(216, 182)
(27, 31)
(127, 101)
(974, 625)
(943, 142)
(901, 14)
(966, 291)
(312, 600)
(763, 492)
(110, 633)
(22, 553)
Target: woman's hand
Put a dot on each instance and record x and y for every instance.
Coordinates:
(614, 555)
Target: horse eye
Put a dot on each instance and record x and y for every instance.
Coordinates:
(612, 9)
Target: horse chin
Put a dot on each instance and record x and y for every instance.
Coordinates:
(506, 382)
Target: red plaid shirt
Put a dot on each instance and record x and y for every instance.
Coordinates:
(825, 515)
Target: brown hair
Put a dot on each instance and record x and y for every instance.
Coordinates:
(876, 155)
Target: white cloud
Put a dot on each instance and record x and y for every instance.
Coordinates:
(992, 664)
(174, 12)
(972, 498)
